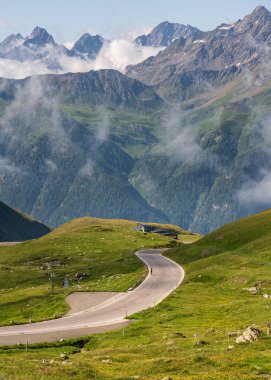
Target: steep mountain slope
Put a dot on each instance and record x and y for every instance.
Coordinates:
(10, 43)
(102, 87)
(195, 165)
(88, 46)
(16, 226)
(165, 33)
(197, 64)
(107, 87)
(38, 38)
(67, 168)
(212, 163)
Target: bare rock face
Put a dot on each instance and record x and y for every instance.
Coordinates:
(165, 33)
(212, 57)
(103, 87)
(88, 46)
(249, 335)
(39, 37)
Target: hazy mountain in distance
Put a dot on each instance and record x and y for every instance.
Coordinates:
(165, 33)
(9, 43)
(88, 46)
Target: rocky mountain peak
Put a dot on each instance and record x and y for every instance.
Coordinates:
(165, 33)
(260, 14)
(88, 45)
(17, 36)
(260, 11)
(11, 42)
(39, 37)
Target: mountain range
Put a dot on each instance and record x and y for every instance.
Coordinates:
(40, 46)
(183, 137)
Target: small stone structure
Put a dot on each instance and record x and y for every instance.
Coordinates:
(149, 228)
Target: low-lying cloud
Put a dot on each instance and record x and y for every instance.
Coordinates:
(13, 69)
(6, 165)
(257, 192)
(116, 54)
(180, 138)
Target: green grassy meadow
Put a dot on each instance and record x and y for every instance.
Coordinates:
(103, 249)
(189, 336)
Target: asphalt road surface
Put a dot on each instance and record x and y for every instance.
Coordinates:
(108, 315)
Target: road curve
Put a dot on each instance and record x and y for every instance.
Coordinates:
(109, 315)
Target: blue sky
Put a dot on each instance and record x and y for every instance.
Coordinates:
(67, 19)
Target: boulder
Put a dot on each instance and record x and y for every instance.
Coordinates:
(249, 335)
(253, 290)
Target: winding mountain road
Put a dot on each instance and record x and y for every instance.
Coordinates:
(108, 315)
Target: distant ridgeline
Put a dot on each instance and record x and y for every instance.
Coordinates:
(16, 226)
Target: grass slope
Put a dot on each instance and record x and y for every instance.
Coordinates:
(17, 226)
(185, 337)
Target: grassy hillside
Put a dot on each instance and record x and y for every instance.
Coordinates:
(189, 336)
(17, 226)
(100, 248)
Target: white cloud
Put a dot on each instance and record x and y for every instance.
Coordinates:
(30, 97)
(6, 165)
(257, 192)
(87, 169)
(18, 70)
(117, 54)
(180, 138)
(51, 166)
(69, 44)
(74, 64)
